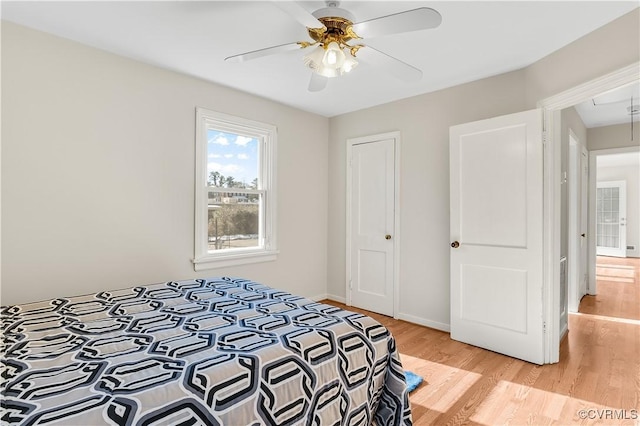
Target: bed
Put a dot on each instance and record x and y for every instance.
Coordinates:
(218, 351)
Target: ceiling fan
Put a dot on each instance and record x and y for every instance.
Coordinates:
(337, 40)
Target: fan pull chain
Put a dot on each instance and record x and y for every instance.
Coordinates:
(631, 114)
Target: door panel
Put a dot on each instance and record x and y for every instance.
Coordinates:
(496, 218)
(484, 183)
(372, 276)
(508, 306)
(371, 199)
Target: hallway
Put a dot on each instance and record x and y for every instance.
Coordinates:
(618, 289)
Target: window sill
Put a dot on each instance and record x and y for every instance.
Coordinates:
(221, 261)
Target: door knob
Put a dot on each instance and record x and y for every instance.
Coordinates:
(387, 237)
(455, 244)
(583, 235)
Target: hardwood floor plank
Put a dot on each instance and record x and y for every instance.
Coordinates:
(599, 369)
(618, 288)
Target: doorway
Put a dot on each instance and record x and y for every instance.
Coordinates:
(614, 288)
(607, 165)
(553, 175)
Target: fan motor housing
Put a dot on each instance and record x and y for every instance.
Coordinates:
(338, 29)
(333, 12)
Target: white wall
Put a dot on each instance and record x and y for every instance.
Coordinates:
(607, 49)
(424, 185)
(98, 174)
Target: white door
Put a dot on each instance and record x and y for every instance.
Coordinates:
(496, 178)
(611, 234)
(584, 224)
(577, 237)
(574, 229)
(371, 236)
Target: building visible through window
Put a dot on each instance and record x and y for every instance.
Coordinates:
(235, 184)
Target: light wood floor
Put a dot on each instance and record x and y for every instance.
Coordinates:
(618, 289)
(599, 369)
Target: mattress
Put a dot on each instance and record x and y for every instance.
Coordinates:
(218, 351)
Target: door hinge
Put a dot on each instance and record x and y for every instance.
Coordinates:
(544, 327)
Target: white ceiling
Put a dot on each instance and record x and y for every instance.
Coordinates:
(476, 39)
(611, 107)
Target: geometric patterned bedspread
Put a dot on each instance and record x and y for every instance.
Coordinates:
(219, 351)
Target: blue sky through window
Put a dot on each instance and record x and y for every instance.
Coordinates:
(232, 155)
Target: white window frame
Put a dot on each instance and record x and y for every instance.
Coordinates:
(266, 134)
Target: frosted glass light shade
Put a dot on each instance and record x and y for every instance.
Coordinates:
(349, 63)
(334, 56)
(329, 62)
(314, 59)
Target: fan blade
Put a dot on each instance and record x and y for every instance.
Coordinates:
(317, 82)
(263, 52)
(299, 13)
(422, 18)
(393, 66)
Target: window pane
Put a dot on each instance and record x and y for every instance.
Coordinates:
(235, 158)
(233, 221)
(232, 160)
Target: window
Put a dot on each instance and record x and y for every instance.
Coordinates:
(235, 194)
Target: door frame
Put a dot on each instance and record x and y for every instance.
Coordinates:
(592, 287)
(396, 213)
(552, 107)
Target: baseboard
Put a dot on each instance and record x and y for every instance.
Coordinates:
(564, 332)
(405, 317)
(338, 299)
(318, 297)
(333, 297)
(425, 322)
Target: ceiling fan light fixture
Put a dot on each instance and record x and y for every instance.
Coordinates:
(334, 56)
(329, 62)
(314, 59)
(349, 63)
